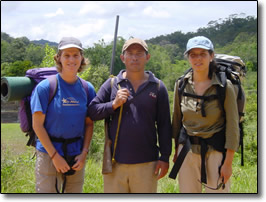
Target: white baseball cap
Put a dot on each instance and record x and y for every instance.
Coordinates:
(199, 42)
(69, 42)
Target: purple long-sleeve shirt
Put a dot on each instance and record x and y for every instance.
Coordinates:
(145, 114)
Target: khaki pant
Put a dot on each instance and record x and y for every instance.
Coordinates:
(46, 175)
(190, 173)
(131, 178)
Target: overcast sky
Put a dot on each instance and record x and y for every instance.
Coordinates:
(92, 21)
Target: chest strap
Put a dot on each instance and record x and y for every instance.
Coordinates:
(203, 100)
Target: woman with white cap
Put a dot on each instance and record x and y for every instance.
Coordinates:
(62, 125)
(206, 136)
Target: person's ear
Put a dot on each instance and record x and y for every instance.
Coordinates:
(122, 58)
(148, 56)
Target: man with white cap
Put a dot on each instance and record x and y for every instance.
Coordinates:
(62, 125)
(140, 161)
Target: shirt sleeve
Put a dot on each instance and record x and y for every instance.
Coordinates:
(101, 106)
(40, 97)
(164, 124)
(176, 118)
(232, 118)
(92, 92)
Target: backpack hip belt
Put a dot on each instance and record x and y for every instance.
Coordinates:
(217, 141)
(65, 142)
(69, 159)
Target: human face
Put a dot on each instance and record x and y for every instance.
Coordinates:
(200, 59)
(135, 58)
(70, 59)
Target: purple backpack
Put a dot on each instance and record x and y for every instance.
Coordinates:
(25, 116)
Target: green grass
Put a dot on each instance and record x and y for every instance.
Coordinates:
(17, 168)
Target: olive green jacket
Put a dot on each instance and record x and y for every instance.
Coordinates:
(205, 127)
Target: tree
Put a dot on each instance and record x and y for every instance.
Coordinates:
(174, 52)
(97, 75)
(6, 37)
(245, 49)
(18, 49)
(173, 72)
(35, 54)
(6, 55)
(17, 68)
(101, 54)
(48, 60)
(159, 62)
(4, 68)
(250, 66)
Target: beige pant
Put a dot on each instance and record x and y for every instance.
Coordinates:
(46, 175)
(131, 178)
(190, 175)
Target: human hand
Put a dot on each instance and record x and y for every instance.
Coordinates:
(80, 161)
(120, 98)
(163, 168)
(226, 172)
(60, 164)
(175, 156)
(226, 169)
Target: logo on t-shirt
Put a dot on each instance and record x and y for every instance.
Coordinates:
(153, 95)
(70, 101)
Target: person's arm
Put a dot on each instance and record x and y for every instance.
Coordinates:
(164, 131)
(101, 106)
(176, 119)
(81, 159)
(38, 127)
(232, 130)
(226, 169)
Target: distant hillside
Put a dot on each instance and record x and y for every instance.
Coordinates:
(220, 32)
(43, 42)
(6, 37)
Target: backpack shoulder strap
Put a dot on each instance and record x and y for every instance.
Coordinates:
(182, 83)
(112, 81)
(53, 87)
(54, 84)
(85, 86)
(221, 90)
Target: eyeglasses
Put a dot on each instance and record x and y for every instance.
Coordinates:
(219, 186)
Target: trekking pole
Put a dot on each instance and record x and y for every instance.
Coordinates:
(111, 72)
(114, 46)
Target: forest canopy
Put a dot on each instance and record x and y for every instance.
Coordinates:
(234, 35)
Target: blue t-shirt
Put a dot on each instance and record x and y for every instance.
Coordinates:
(65, 115)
